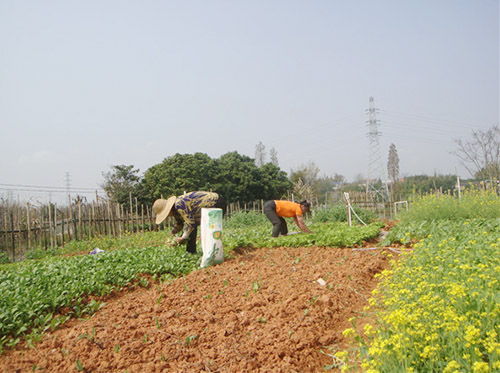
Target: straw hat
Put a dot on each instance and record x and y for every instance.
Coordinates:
(162, 208)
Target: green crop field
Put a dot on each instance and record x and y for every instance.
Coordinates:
(40, 294)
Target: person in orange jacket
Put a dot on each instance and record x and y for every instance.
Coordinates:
(277, 210)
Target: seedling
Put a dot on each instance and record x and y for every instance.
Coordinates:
(79, 365)
(190, 339)
(256, 285)
(91, 337)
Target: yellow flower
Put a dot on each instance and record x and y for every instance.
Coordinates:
(452, 367)
(348, 332)
(368, 329)
(472, 335)
(480, 367)
(341, 355)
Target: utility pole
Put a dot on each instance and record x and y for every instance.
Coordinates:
(375, 163)
(68, 183)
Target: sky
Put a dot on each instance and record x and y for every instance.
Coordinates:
(85, 85)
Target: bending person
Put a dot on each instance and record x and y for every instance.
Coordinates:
(186, 210)
(277, 210)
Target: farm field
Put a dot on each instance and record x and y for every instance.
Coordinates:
(337, 299)
(263, 309)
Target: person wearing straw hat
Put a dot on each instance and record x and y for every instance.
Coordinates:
(186, 211)
(276, 211)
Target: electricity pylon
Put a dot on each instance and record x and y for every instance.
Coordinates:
(375, 164)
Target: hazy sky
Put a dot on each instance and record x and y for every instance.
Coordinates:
(89, 84)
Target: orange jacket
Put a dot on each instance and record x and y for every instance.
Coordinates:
(288, 209)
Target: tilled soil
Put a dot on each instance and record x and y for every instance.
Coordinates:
(264, 310)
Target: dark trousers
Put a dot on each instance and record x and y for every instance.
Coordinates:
(279, 224)
(191, 241)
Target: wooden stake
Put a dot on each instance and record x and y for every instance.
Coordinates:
(28, 224)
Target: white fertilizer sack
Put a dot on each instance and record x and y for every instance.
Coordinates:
(211, 237)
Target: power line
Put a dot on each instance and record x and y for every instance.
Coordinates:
(45, 189)
(427, 119)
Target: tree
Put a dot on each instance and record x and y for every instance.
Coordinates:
(260, 154)
(393, 164)
(178, 174)
(304, 180)
(234, 176)
(275, 183)
(237, 177)
(120, 183)
(481, 155)
(274, 156)
(326, 184)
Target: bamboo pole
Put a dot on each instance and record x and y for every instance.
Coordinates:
(70, 217)
(28, 222)
(111, 222)
(51, 238)
(80, 233)
(98, 215)
(40, 230)
(119, 219)
(44, 226)
(148, 218)
(62, 229)
(92, 220)
(142, 218)
(55, 224)
(123, 217)
(136, 216)
(5, 236)
(12, 235)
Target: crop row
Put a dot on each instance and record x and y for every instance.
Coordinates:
(34, 292)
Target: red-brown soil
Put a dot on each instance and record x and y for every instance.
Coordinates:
(263, 310)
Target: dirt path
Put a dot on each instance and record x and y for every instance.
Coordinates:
(263, 310)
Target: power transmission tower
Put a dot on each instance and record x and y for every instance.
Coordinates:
(68, 182)
(376, 180)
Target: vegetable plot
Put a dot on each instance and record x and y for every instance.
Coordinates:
(32, 293)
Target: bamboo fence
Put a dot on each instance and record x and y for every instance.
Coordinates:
(26, 227)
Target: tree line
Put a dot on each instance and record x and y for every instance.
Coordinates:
(239, 178)
(234, 176)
